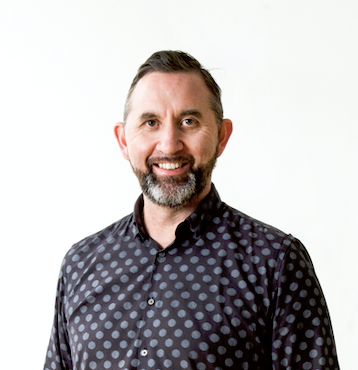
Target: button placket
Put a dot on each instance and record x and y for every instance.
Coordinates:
(158, 259)
(161, 257)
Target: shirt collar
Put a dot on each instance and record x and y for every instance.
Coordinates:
(197, 221)
(205, 213)
(138, 223)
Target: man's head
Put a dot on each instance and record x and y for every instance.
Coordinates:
(172, 135)
(177, 61)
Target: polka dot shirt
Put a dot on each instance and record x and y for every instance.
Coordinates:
(229, 293)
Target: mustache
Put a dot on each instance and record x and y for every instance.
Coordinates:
(181, 159)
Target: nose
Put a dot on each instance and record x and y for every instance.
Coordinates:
(170, 139)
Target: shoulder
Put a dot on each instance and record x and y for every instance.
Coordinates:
(256, 243)
(251, 231)
(99, 241)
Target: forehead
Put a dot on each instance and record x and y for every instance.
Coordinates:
(172, 89)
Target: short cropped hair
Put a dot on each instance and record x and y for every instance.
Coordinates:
(177, 61)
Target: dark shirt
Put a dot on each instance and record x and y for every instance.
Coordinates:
(229, 293)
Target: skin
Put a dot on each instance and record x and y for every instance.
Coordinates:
(170, 115)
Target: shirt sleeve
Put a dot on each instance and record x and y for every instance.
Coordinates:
(302, 336)
(58, 353)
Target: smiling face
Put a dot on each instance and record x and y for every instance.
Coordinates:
(171, 137)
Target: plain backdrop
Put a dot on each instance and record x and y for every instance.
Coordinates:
(288, 71)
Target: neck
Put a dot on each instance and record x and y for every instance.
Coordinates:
(161, 222)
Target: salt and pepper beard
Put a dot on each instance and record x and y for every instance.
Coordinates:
(175, 191)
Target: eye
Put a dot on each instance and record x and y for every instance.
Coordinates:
(151, 123)
(188, 122)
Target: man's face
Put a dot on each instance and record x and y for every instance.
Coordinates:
(171, 137)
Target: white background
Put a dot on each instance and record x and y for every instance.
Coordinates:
(288, 71)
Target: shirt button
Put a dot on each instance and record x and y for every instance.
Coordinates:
(161, 254)
(143, 352)
(151, 301)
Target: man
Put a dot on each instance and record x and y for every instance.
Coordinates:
(185, 281)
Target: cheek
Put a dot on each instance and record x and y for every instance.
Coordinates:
(138, 155)
(205, 149)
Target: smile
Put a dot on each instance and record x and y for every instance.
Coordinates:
(169, 166)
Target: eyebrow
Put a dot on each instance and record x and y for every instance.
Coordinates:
(188, 112)
(191, 112)
(147, 115)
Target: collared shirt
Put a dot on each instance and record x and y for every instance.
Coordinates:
(229, 293)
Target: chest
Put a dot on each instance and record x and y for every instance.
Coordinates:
(197, 301)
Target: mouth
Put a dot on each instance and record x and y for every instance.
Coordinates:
(170, 165)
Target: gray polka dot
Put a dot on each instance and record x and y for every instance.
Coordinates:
(211, 293)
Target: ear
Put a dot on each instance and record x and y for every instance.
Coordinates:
(224, 135)
(120, 136)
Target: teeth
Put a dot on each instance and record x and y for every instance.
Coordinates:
(169, 166)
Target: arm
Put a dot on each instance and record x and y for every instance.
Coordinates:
(302, 335)
(58, 353)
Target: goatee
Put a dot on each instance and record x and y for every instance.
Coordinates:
(175, 191)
